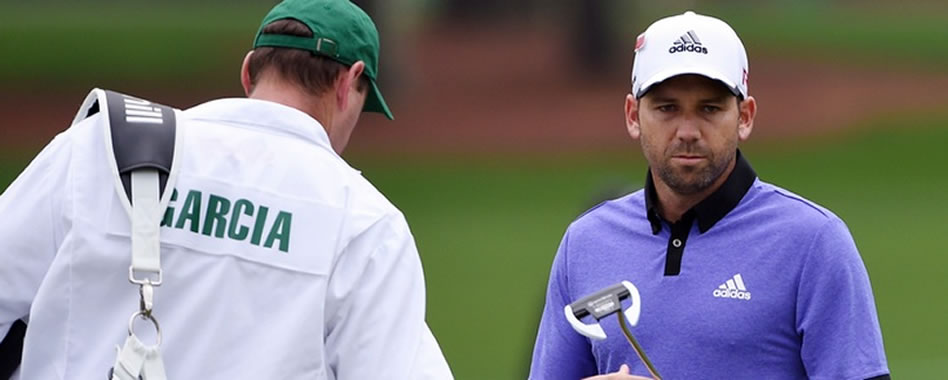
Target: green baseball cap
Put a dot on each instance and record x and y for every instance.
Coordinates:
(341, 32)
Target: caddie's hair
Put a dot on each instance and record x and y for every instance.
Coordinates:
(313, 73)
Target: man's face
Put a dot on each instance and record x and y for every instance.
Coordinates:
(689, 127)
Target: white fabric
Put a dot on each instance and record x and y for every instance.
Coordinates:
(345, 301)
(721, 53)
(135, 358)
(145, 219)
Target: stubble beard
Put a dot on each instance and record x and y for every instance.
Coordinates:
(689, 180)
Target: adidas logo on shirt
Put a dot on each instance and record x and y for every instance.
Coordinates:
(688, 42)
(733, 288)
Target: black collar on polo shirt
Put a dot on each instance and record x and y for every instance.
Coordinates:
(713, 208)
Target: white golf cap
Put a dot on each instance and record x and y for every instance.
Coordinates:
(689, 44)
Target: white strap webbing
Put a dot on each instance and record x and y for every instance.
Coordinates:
(136, 359)
(146, 253)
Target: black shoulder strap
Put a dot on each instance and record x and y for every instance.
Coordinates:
(143, 136)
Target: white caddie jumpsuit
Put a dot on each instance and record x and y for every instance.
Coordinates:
(279, 260)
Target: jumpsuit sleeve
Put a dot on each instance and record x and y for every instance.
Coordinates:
(376, 309)
(32, 225)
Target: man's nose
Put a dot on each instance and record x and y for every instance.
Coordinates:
(689, 128)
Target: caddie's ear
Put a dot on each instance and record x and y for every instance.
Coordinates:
(748, 110)
(245, 74)
(348, 82)
(632, 116)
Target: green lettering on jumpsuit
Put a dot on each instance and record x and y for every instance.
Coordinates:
(221, 220)
(217, 208)
(191, 212)
(236, 230)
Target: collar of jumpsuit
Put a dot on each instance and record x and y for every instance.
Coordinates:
(707, 212)
(279, 118)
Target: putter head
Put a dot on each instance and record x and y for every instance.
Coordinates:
(602, 304)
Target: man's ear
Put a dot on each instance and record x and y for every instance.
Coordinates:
(748, 110)
(632, 116)
(348, 80)
(245, 74)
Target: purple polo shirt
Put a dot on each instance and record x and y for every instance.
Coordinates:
(755, 282)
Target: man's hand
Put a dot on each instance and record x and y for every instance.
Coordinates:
(622, 374)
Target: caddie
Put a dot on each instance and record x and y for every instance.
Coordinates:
(277, 259)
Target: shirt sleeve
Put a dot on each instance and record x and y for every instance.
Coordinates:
(376, 309)
(560, 352)
(31, 229)
(836, 313)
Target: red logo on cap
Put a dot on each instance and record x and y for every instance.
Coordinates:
(639, 42)
(745, 79)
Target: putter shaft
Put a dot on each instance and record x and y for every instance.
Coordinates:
(638, 349)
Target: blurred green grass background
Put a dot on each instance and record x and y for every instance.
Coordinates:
(488, 226)
(66, 43)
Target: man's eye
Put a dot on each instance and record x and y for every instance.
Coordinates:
(710, 109)
(667, 108)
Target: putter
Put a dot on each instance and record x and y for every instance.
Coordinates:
(603, 303)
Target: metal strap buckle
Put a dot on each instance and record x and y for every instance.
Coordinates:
(149, 317)
(327, 47)
(146, 280)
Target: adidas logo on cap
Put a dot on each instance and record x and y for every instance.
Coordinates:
(688, 42)
(733, 288)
